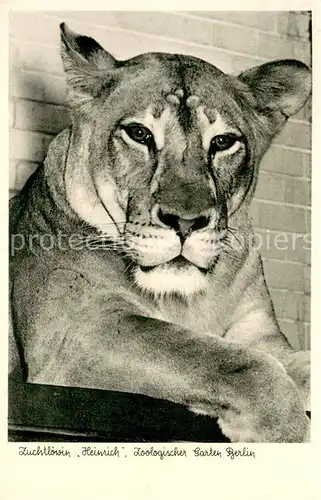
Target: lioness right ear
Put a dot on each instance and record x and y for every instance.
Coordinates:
(87, 65)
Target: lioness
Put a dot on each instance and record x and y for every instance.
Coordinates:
(137, 272)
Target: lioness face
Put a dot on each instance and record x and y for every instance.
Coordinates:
(164, 151)
(168, 151)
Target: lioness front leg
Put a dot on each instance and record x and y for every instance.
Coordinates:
(247, 390)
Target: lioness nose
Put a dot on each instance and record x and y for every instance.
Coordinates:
(183, 224)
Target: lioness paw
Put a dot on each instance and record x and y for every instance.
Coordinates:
(299, 369)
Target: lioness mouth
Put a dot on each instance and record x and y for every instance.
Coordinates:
(178, 262)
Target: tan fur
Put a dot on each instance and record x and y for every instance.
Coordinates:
(199, 331)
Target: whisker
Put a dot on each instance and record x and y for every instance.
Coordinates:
(232, 231)
(227, 244)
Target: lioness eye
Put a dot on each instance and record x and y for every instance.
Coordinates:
(223, 142)
(139, 134)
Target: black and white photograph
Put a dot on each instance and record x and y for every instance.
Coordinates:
(160, 226)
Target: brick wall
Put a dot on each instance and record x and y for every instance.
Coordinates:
(233, 41)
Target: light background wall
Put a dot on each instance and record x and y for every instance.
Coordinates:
(233, 41)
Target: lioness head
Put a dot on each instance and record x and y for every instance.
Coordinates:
(164, 153)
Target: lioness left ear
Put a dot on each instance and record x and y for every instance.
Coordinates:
(282, 86)
(87, 65)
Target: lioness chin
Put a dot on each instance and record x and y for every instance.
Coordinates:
(156, 288)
